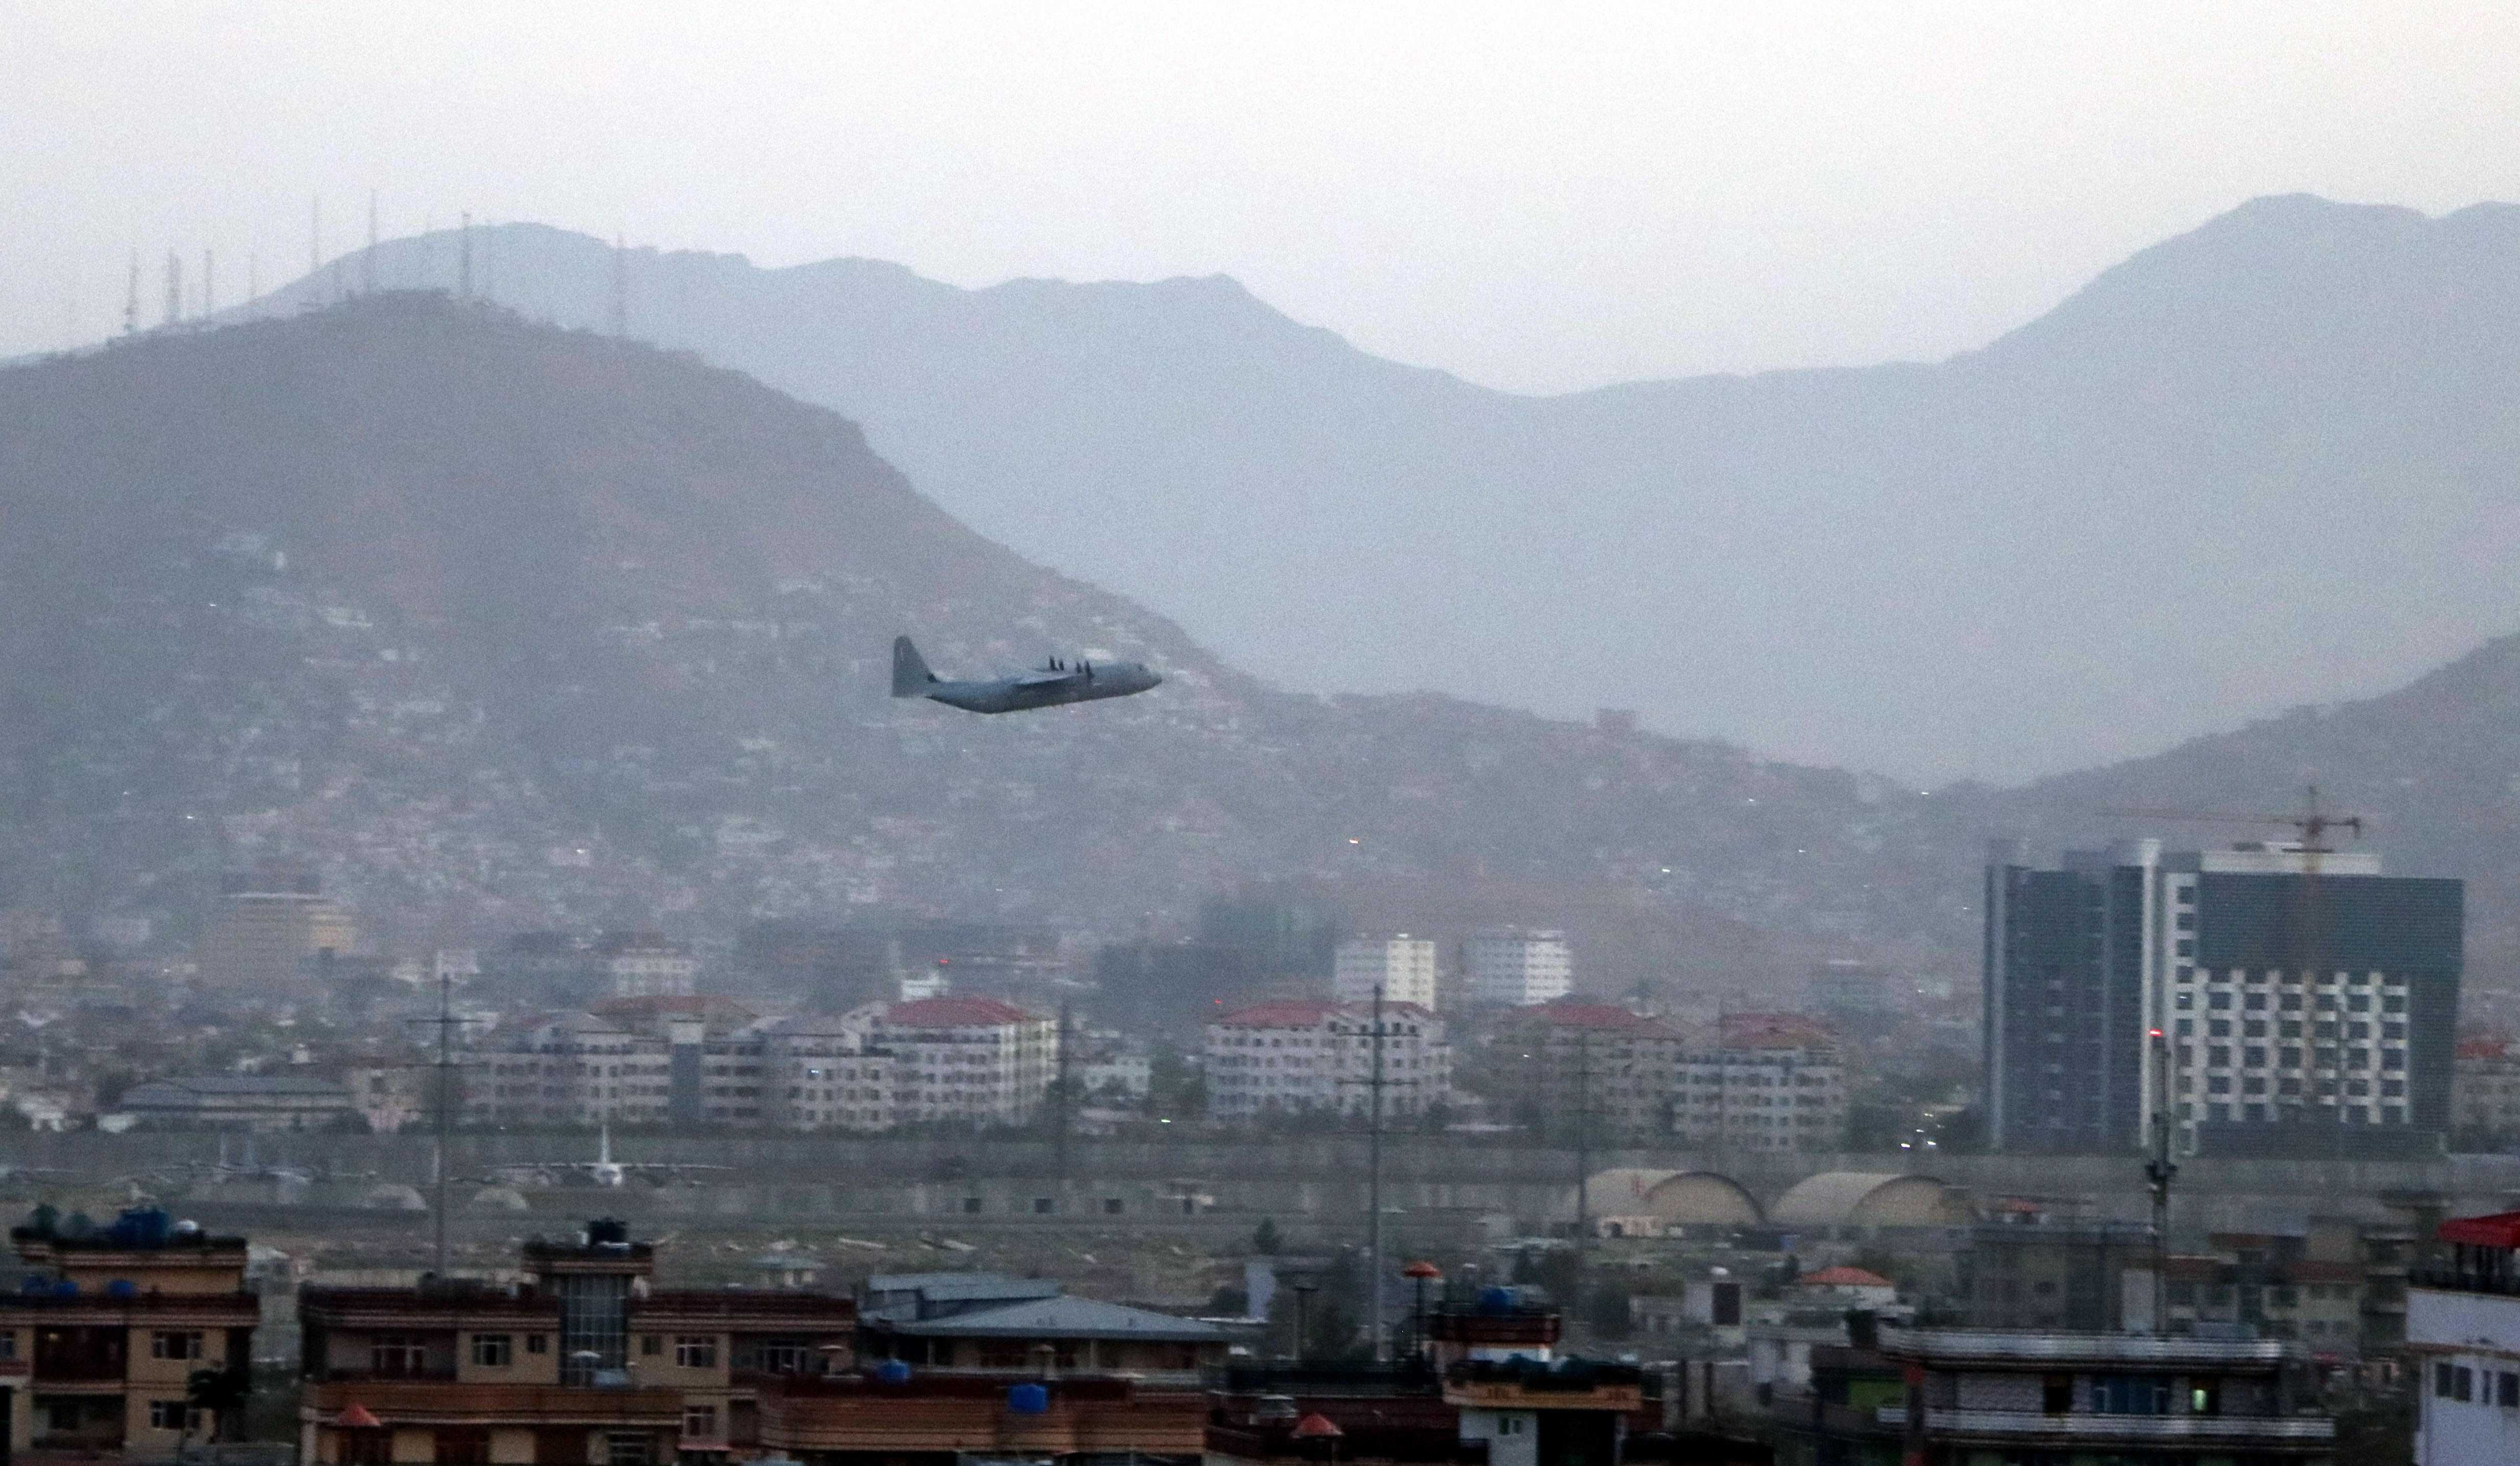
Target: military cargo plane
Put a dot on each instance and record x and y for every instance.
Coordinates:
(1055, 683)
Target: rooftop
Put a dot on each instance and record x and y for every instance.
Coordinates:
(956, 1012)
(2042, 1347)
(1063, 1318)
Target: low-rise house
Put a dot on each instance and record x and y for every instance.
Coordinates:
(1941, 1397)
(1058, 1334)
(99, 1342)
(581, 1362)
(2463, 1342)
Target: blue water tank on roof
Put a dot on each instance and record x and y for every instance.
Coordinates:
(1028, 1400)
(892, 1372)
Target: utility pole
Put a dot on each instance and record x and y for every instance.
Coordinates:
(1377, 1080)
(1381, 1344)
(210, 284)
(174, 290)
(2157, 1172)
(1063, 1101)
(1583, 1140)
(131, 299)
(445, 1023)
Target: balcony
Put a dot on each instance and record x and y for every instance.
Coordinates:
(1529, 1385)
(2014, 1427)
(409, 1402)
(1945, 1346)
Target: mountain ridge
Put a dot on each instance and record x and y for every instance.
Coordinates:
(2088, 539)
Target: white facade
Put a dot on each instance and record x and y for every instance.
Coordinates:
(642, 968)
(1518, 968)
(568, 1069)
(2466, 1348)
(1403, 965)
(1760, 1099)
(1292, 1057)
(971, 1059)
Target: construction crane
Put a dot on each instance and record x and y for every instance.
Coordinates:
(2313, 824)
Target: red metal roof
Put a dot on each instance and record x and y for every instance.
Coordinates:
(1601, 1017)
(956, 1012)
(1775, 1031)
(1312, 1012)
(2501, 1229)
(1844, 1277)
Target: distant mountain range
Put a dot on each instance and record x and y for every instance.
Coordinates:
(503, 626)
(2264, 464)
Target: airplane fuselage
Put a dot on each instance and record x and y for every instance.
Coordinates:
(1013, 695)
(1052, 686)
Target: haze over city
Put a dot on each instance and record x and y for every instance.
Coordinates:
(1462, 735)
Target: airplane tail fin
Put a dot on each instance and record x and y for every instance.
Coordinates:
(910, 674)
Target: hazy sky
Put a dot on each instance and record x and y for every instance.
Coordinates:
(1537, 197)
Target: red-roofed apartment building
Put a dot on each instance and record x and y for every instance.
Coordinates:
(1311, 1054)
(1773, 1082)
(972, 1059)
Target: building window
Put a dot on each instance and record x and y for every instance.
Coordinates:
(179, 1343)
(173, 1416)
(972, 1206)
(2507, 1390)
(650, 1344)
(695, 1351)
(494, 1350)
(699, 1422)
(537, 1343)
(394, 1356)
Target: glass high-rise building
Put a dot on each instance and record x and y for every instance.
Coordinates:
(2306, 1003)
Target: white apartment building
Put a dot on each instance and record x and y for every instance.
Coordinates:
(568, 1069)
(971, 1059)
(829, 1075)
(1310, 1055)
(1403, 965)
(646, 965)
(1737, 1100)
(1515, 968)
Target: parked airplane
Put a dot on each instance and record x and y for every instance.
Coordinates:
(603, 1171)
(1055, 683)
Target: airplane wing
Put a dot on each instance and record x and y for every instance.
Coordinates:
(668, 1167)
(1040, 679)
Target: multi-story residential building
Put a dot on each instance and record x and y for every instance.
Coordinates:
(271, 924)
(582, 1363)
(98, 1346)
(1310, 1055)
(1769, 1082)
(240, 1102)
(1400, 965)
(568, 1069)
(1773, 1082)
(975, 1060)
(2485, 1091)
(2463, 1339)
(1515, 968)
(1620, 1071)
(1943, 1396)
(645, 964)
(829, 1075)
(2304, 1003)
